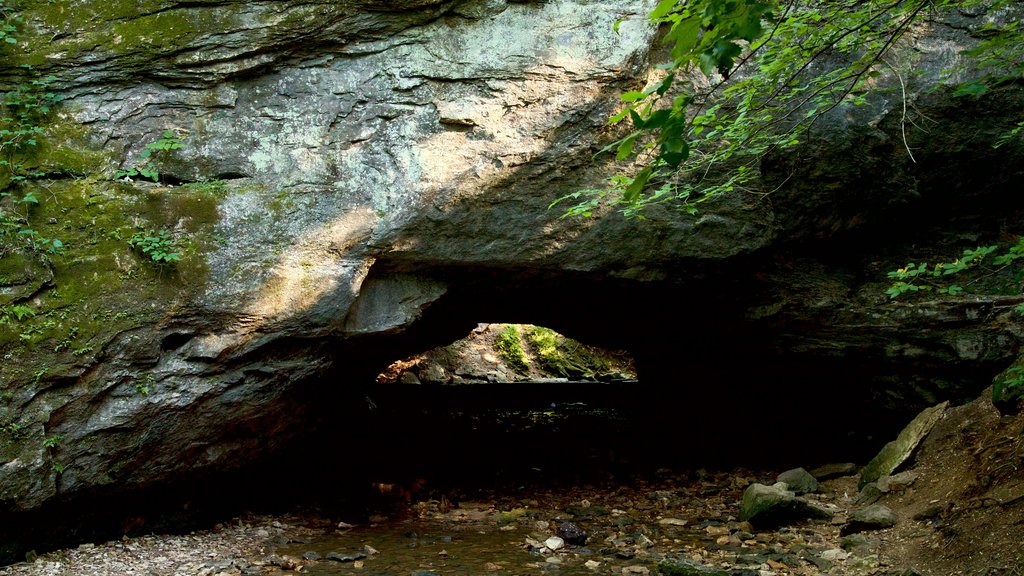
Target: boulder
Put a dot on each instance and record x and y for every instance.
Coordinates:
(772, 506)
(798, 481)
(873, 517)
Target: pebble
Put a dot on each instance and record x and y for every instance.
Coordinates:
(554, 543)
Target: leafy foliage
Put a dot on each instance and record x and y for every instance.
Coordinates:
(763, 87)
(23, 107)
(146, 166)
(8, 23)
(922, 277)
(159, 247)
(1009, 385)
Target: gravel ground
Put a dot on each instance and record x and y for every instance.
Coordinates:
(241, 547)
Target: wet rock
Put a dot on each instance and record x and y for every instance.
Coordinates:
(277, 541)
(830, 471)
(312, 556)
(896, 452)
(771, 506)
(409, 378)
(873, 517)
(339, 557)
(799, 481)
(571, 533)
(424, 573)
(683, 567)
(586, 512)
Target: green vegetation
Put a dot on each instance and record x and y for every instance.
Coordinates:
(1001, 274)
(147, 166)
(746, 78)
(509, 346)
(1009, 385)
(563, 356)
(159, 247)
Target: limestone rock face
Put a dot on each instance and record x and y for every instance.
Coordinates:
(362, 180)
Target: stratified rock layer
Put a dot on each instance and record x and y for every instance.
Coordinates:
(366, 180)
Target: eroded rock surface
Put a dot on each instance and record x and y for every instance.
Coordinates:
(365, 180)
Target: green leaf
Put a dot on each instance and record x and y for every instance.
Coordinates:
(675, 152)
(638, 122)
(632, 192)
(633, 96)
(663, 8)
(626, 146)
(971, 89)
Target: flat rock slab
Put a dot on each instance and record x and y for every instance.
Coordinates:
(896, 452)
(838, 470)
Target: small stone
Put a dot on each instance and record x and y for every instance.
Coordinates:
(642, 570)
(873, 517)
(337, 557)
(357, 564)
(553, 559)
(571, 533)
(312, 556)
(929, 513)
(672, 522)
(869, 494)
(409, 378)
(492, 567)
(830, 471)
(554, 543)
(897, 482)
(370, 550)
(799, 481)
(592, 564)
(834, 554)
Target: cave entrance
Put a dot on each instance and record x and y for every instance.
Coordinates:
(507, 404)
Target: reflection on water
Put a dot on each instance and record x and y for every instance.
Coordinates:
(439, 547)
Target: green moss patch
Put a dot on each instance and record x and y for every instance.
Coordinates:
(99, 286)
(509, 346)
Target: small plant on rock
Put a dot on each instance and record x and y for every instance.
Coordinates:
(159, 246)
(146, 166)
